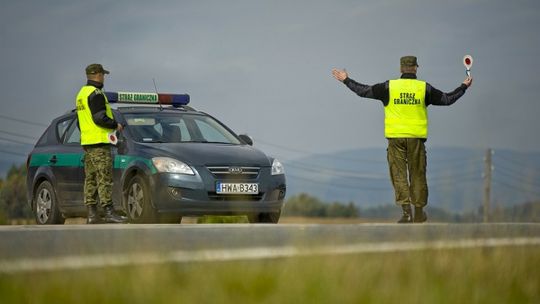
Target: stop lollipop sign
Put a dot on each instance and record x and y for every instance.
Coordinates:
(467, 62)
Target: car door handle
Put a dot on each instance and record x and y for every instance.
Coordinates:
(53, 159)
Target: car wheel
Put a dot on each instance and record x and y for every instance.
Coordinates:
(271, 217)
(46, 205)
(139, 208)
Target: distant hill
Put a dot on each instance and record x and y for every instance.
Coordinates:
(455, 177)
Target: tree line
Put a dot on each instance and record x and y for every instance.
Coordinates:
(304, 204)
(13, 199)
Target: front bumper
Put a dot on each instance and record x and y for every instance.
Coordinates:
(195, 195)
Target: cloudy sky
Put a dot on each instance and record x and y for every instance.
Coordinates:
(263, 67)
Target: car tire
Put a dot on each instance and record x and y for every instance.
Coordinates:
(138, 204)
(270, 218)
(46, 205)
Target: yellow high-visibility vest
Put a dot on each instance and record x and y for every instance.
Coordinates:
(406, 116)
(90, 132)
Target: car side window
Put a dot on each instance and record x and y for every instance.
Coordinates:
(73, 134)
(62, 127)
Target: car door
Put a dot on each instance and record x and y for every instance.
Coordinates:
(68, 167)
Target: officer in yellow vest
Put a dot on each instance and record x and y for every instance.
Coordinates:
(96, 121)
(405, 103)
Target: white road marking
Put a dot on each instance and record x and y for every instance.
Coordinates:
(183, 256)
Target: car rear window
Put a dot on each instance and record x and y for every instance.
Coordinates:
(61, 128)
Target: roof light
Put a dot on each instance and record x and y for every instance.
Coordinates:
(147, 98)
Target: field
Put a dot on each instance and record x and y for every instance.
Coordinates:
(481, 275)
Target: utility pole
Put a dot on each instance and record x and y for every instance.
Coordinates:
(487, 184)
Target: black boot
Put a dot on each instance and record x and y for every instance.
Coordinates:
(93, 216)
(419, 215)
(112, 217)
(407, 214)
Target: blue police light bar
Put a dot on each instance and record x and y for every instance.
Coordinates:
(148, 98)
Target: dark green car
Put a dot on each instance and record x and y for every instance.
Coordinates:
(169, 162)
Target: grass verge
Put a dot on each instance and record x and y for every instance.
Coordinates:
(482, 275)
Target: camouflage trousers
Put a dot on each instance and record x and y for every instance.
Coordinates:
(407, 163)
(98, 172)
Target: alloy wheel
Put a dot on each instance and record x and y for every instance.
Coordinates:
(135, 200)
(43, 206)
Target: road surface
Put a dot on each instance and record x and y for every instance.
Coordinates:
(31, 248)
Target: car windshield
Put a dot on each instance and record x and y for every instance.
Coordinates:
(176, 128)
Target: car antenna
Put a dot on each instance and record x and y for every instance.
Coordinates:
(155, 88)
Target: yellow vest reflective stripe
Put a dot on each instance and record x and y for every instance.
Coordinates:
(406, 116)
(90, 132)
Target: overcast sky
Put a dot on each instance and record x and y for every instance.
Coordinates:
(263, 67)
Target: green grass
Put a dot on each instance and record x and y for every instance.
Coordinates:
(500, 275)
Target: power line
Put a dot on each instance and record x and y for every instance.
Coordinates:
(24, 121)
(516, 187)
(334, 172)
(517, 174)
(520, 179)
(441, 163)
(359, 187)
(12, 153)
(452, 176)
(14, 141)
(444, 183)
(451, 159)
(515, 162)
(318, 155)
(18, 135)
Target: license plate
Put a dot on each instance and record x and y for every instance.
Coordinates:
(237, 188)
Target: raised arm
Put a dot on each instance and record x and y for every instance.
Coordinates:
(378, 91)
(439, 98)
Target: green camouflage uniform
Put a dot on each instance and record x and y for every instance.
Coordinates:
(98, 175)
(408, 154)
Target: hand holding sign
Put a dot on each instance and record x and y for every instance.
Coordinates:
(467, 62)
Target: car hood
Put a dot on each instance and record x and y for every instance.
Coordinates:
(205, 154)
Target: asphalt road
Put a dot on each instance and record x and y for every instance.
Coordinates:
(23, 248)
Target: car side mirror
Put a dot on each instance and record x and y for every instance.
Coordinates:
(246, 139)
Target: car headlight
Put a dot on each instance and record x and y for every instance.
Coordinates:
(277, 167)
(171, 165)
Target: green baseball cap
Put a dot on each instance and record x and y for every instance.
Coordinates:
(95, 68)
(408, 61)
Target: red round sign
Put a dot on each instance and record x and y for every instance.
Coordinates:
(467, 61)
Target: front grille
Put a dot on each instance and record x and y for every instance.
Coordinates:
(213, 196)
(234, 172)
